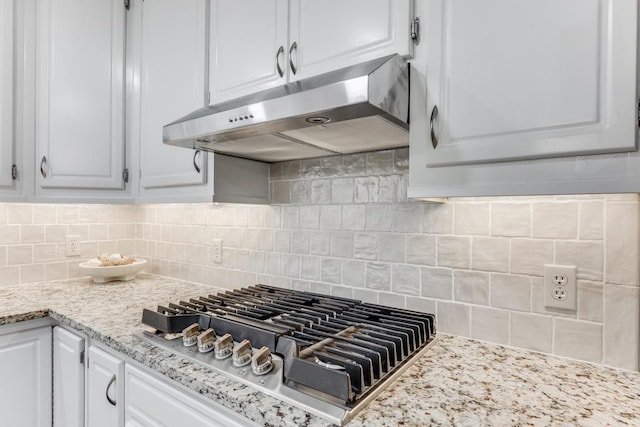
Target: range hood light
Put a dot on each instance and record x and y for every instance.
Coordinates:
(317, 120)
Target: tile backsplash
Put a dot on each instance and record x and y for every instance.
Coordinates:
(343, 225)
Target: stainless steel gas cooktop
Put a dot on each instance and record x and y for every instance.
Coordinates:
(327, 355)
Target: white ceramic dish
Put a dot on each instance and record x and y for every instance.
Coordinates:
(109, 274)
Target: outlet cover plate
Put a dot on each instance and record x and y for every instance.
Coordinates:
(216, 247)
(72, 245)
(560, 290)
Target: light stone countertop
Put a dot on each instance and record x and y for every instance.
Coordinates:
(458, 382)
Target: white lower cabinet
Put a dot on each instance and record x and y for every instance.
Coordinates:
(105, 389)
(25, 375)
(68, 379)
(151, 402)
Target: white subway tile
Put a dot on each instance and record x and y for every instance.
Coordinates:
(342, 244)
(378, 217)
(281, 192)
(437, 218)
(310, 217)
(3, 256)
(621, 320)
(579, 340)
(291, 169)
(55, 271)
(471, 218)
(301, 192)
(9, 276)
(379, 162)
(342, 190)
(406, 218)
(32, 234)
(55, 233)
(19, 254)
(321, 191)
(320, 288)
(391, 299)
(453, 318)
(354, 163)
(511, 292)
(320, 243)
(405, 279)
(391, 247)
(531, 331)
(19, 214)
(272, 263)
(365, 246)
(9, 234)
(353, 217)
(622, 244)
(366, 295)
(490, 254)
(392, 188)
(555, 220)
(354, 273)
(290, 217)
(32, 273)
(489, 324)
(3, 213)
(378, 276)
(366, 189)
(69, 214)
(423, 305)
(341, 291)
(300, 241)
(44, 214)
(421, 249)
(471, 286)
(281, 240)
(454, 251)
(437, 282)
(588, 257)
(310, 267)
(528, 256)
(272, 217)
(511, 219)
(591, 223)
(331, 270)
(290, 265)
(590, 301)
(331, 217)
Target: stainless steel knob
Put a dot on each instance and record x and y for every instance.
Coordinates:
(190, 335)
(242, 354)
(262, 362)
(206, 341)
(224, 346)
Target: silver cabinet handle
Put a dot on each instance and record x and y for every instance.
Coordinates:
(106, 392)
(434, 117)
(195, 163)
(278, 54)
(294, 46)
(43, 166)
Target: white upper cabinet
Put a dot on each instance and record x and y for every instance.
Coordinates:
(524, 97)
(249, 45)
(331, 34)
(80, 78)
(258, 44)
(6, 92)
(171, 64)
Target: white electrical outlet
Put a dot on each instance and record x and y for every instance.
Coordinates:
(560, 290)
(73, 248)
(216, 246)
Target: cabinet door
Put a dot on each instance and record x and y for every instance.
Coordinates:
(80, 93)
(248, 50)
(332, 34)
(524, 79)
(105, 390)
(170, 89)
(150, 402)
(6, 92)
(25, 369)
(68, 379)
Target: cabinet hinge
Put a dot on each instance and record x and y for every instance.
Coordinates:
(125, 175)
(127, 3)
(14, 172)
(82, 357)
(415, 30)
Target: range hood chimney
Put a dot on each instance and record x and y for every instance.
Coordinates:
(360, 108)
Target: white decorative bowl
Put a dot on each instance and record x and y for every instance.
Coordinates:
(108, 274)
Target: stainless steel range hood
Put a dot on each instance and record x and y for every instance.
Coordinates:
(355, 109)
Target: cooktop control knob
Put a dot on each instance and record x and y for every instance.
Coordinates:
(206, 341)
(242, 354)
(261, 362)
(224, 346)
(190, 335)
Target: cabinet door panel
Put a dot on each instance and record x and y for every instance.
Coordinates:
(245, 38)
(6, 92)
(170, 89)
(25, 364)
(105, 390)
(515, 80)
(80, 93)
(332, 34)
(68, 379)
